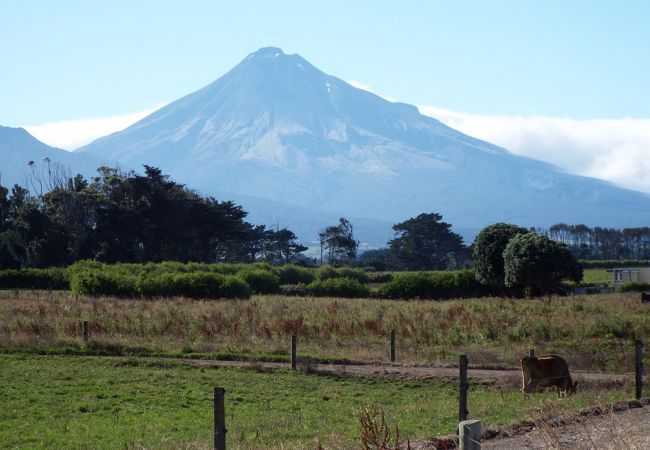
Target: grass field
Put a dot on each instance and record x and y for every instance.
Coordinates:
(597, 276)
(91, 402)
(594, 332)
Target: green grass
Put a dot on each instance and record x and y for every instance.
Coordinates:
(90, 402)
(597, 276)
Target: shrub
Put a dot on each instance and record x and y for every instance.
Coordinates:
(407, 285)
(156, 285)
(538, 264)
(635, 286)
(97, 283)
(133, 280)
(50, 278)
(436, 285)
(488, 252)
(260, 281)
(356, 274)
(325, 272)
(207, 285)
(234, 287)
(380, 277)
(338, 287)
(292, 274)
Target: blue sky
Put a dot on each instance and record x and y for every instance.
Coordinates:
(469, 61)
(580, 59)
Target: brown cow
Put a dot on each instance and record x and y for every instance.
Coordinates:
(544, 372)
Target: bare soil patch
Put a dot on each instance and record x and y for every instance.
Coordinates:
(485, 376)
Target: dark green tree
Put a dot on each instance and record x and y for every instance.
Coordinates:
(283, 245)
(31, 238)
(338, 242)
(126, 217)
(7, 261)
(538, 264)
(72, 207)
(426, 243)
(380, 259)
(488, 252)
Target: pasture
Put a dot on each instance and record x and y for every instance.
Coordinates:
(131, 385)
(99, 402)
(596, 331)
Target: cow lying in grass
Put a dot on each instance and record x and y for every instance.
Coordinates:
(544, 372)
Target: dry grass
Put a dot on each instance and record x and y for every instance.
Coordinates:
(594, 332)
(601, 428)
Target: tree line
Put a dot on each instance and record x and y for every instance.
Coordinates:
(120, 216)
(126, 217)
(599, 243)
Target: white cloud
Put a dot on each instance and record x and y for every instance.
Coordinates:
(72, 134)
(616, 150)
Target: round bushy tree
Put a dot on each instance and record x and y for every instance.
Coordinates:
(488, 252)
(538, 264)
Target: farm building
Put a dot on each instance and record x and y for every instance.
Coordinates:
(627, 274)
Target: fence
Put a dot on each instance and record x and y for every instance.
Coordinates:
(469, 430)
(392, 353)
(463, 377)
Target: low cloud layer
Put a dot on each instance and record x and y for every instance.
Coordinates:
(616, 150)
(72, 134)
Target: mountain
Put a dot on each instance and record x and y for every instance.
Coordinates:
(18, 148)
(275, 128)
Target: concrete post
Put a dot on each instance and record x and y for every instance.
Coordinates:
(469, 435)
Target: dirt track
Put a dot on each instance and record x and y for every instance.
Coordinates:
(496, 377)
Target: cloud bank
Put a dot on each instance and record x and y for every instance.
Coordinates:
(616, 150)
(72, 134)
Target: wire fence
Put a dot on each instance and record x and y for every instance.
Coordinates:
(469, 369)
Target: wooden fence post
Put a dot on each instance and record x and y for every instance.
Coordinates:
(84, 327)
(462, 404)
(638, 367)
(392, 345)
(219, 419)
(531, 352)
(293, 351)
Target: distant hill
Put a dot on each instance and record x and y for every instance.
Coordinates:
(18, 148)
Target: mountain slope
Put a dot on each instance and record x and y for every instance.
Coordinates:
(18, 148)
(277, 128)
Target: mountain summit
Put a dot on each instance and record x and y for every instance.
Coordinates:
(277, 128)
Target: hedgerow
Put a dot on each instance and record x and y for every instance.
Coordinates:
(436, 285)
(50, 278)
(260, 281)
(635, 286)
(292, 274)
(338, 287)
